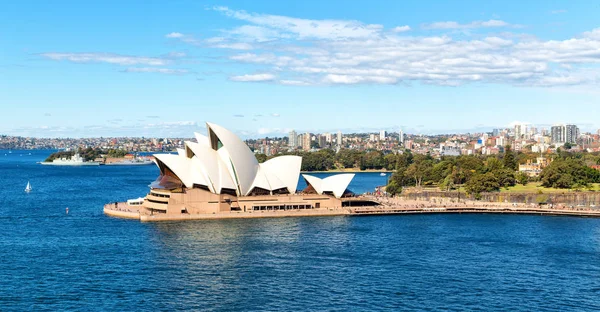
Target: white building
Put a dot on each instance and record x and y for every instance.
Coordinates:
(293, 139)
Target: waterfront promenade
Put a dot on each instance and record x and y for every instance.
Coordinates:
(388, 206)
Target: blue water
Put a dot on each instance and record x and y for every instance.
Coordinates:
(87, 261)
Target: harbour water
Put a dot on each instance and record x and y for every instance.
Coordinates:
(88, 261)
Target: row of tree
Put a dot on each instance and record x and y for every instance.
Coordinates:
(487, 174)
(570, 172)
(477, 174)
(328, 159)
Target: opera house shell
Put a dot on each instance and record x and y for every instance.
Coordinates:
(220, 173)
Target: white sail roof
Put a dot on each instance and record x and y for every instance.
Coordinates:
(286, 169)
(211, 167)
(202, 139)
(221, 160)
(245, 165)
(180, 166)
(336, 184)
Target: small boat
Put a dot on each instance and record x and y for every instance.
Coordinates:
(383, 174)
(28, 187)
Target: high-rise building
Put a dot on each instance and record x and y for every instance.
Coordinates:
(496, 132)
(500, 141)
(401, 137)
(339, 138)
(372, 137)
(557, 133)
(306, 138)
(565, 134)
(328, 137)
(382, 135)
(293, 140)
(571, 134)
(520, 130)
(322, 140)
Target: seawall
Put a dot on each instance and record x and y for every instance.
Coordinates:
(387, 208)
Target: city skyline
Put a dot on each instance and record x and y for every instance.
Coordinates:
(427, 68)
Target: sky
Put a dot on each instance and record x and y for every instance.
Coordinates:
(262, 68)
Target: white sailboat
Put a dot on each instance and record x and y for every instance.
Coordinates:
(28, 187)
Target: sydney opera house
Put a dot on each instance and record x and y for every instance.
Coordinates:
(219, 173)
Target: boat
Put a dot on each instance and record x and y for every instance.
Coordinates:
(28, 187)
(383, 174)
(75, 160)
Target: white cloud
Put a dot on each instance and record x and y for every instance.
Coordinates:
(253, 78)
(184, 38)
(174, 35)
(306, 28)
(294, 82)
(110, 58)
(401, 29)
(176, 54)
(354, 79)
(475, 24)
(257, 33)
(317, 52)
(167, 71)
(168, 124)
(275, 115)
(267, 131)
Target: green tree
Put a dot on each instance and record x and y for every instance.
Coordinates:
(420, 169)
(509, 159)
(522, 178)
(482, 183)
(394, 187)
(260, 157)
(448, 183)
(505, 177)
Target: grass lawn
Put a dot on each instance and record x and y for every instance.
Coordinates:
(534, 187)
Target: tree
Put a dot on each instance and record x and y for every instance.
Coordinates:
(404, 160)
(448, 183)
(509, 159)
(261, 158)
(492, 164)
(419, 169)
(522, 178)
(505, 177)
(394, 187)
(567, 173)
(441, 170)
(482, 183)
(390, 161)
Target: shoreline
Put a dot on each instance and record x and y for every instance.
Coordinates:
(350, 171)
(407, 208)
